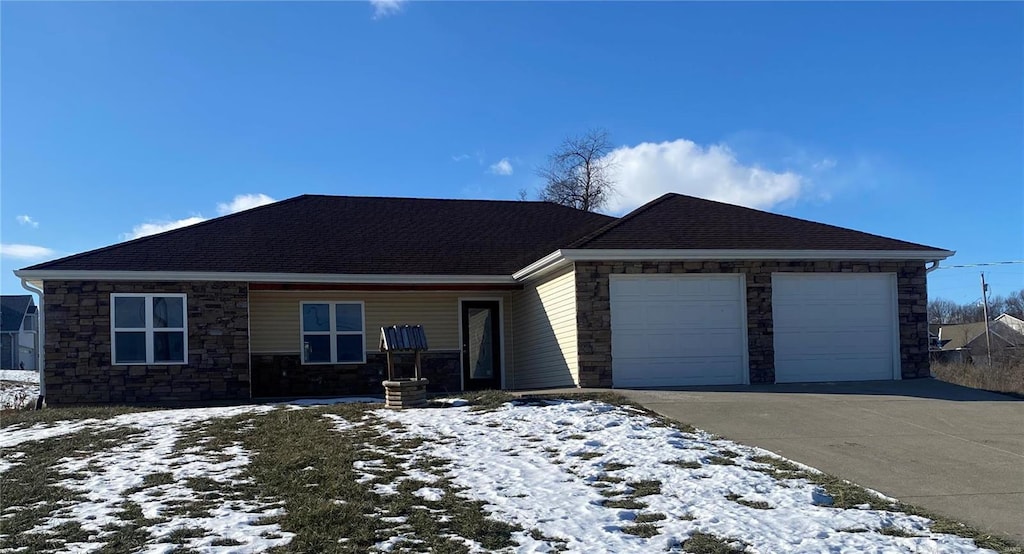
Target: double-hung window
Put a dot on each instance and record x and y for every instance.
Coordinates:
(148, 328)
(332, 333)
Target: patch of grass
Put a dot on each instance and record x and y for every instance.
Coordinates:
(51, 415)
(943, 524)
(605, 478)
(624, 504)
(486, 400)
(226, 542)
(756, 504)
(780, 467)
(684, 464)
(285, 442)
(645, 530)
(589, 455)
(728, 453)
(615, 466)
(558, 544)
(720, 461)
(896, 532)
(576, 437)
(33, 484)
(706, 543)
(650, 517)
(645, 488)
(1005, 375)
(182, 534)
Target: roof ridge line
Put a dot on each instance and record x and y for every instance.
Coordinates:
(582, 241)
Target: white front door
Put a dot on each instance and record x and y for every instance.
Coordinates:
(834, 327)
(678, 330)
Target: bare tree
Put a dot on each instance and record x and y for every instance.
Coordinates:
(579, 173)
(941, 310)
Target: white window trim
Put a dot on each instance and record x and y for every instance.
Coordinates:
(333, 333)
(148, 329)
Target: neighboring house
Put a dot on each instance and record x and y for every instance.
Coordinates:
(1014, 323)
(1003, 334)
(18, 337)
(288, 300)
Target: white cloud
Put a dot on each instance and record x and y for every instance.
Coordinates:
(25, 251)
(244, 202)
(385, 8)
(460, 157)
(154, 227)
(27, 220)
(648, 170)
(823, 164)
(501, 167)
(237, 204)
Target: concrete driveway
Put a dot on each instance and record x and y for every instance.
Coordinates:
(953, 450)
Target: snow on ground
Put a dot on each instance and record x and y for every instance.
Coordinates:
(108, 478)
(544, 468)
(20, 375)
(18, 388)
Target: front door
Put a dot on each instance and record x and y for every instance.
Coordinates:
(481, 345)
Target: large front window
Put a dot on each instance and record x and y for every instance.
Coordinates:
(148, 328)
(332, 333)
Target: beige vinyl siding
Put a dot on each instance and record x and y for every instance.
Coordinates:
(274, 316)
(545, 331)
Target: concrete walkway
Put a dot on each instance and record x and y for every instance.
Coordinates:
(952, 450)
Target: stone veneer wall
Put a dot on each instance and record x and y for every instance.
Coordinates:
(283, 375)
(594, 309)
(78, 357)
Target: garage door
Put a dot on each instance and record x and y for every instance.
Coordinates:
(833, 326)
(676, 330)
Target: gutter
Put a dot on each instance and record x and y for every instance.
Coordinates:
(561, 258)
(40, 342)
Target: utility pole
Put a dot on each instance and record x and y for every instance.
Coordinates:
(984, 303)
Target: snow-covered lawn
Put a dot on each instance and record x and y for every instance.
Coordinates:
(541, 476)
(18, 388)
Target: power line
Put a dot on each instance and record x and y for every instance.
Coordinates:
(982, 264)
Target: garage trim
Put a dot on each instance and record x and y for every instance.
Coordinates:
(741, 283)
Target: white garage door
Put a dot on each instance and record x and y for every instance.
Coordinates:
(834, 326)
(675, 330)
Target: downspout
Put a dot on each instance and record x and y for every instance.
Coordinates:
(40, 342)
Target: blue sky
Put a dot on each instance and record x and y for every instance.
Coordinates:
(904, 120)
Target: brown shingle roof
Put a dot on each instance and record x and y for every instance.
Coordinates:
(414, 236)
(675, 221)
(355, 235)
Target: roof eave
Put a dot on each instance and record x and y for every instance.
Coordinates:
(560, 258)
(100, 275)
(735, 254)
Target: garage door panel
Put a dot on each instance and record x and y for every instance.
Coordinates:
(677, 330)
(833, 327)
(809, 369)
(796, 345)
(668, 372)
(856, 316)
(680, 343)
